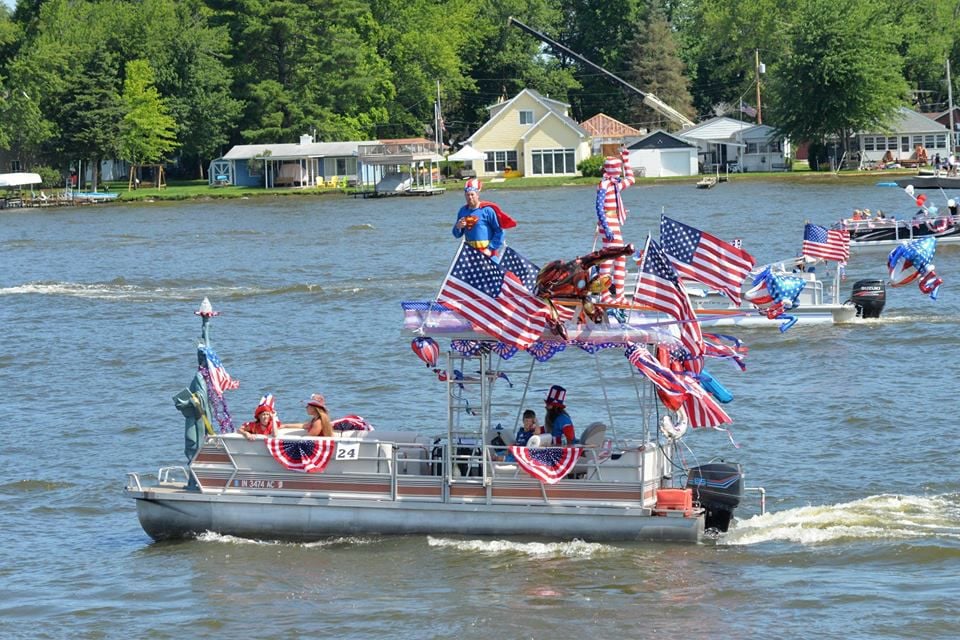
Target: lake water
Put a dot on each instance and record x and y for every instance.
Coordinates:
(851, 430)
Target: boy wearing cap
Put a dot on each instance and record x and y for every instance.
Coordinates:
(481, 222)
(557, 421)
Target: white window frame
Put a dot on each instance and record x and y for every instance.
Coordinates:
(526, 116)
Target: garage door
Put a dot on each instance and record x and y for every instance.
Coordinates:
(674, 163)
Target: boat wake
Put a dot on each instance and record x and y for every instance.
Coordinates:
(881, 517)
(570, 549)
(119, 289)
(210, 536)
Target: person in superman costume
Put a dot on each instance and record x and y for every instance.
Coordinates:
(481, 223)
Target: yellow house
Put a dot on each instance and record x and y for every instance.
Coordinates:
(532, 135)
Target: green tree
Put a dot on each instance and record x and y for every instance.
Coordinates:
(656, 68)
(147, 132)
(836, 82)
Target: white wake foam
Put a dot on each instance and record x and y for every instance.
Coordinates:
(571, 549)
(890, 517)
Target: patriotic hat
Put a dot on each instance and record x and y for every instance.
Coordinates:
(611, 167)
(317, 400)
(473, 184)
(556, 396)
(266, 404)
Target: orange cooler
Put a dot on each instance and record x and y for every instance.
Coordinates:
(675, 500)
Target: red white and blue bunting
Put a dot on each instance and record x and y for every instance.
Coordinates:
(549, 465)
(309, 456)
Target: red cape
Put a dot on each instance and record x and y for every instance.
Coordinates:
(506, 222)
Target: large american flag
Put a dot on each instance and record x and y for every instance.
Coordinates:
(829, 244)
(492, 298)
(527, 272)
(677, 389)
(705, 258)
(659, 287)
(701, 408)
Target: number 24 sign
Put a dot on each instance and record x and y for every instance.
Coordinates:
(348, 451)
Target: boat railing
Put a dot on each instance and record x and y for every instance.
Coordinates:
(763, 497)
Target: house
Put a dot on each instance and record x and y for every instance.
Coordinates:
(661, 154)
(910, 135)
(303, 164)
(608, 134)
(950, 121)
(764, 149)
(530, 134)
(717, 140)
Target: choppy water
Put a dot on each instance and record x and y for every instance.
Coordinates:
(851, 430)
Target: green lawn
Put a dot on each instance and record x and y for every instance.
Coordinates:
(199, 189)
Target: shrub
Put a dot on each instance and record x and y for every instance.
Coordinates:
(50, 176)
(591, 167)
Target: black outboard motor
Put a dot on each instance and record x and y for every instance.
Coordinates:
(868, 297)
(718, 487)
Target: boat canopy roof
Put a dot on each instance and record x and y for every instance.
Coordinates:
(19, 179)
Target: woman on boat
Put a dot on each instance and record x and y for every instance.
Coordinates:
(557, 421)
(319, 423)
(265, 421)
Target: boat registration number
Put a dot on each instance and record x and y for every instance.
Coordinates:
(348, 451)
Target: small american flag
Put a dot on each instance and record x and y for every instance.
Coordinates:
(701, 408)
(829, 244)
(705, 258)
(218, 375)
(492, 298)
(659, 287)
(660, 375)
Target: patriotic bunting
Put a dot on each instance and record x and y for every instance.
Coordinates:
(309, 456)
(547, 464)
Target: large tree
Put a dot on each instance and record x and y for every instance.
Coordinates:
(147, 132)
(656, 67)
(835, 82)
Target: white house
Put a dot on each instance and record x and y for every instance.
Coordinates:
(909, 132)
(764, 149)
(661, 154)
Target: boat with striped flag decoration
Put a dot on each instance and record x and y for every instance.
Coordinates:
(489, 350)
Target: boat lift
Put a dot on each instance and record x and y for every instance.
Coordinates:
(649, 99)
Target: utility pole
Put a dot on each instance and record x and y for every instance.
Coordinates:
(757, 68)
(953, 132)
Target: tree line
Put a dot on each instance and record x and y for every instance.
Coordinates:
(153, 80)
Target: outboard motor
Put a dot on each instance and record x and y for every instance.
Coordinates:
(718, 487)
(868, 297)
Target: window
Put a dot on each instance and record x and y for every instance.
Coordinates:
(868, 143)
(15, 166)
(341, 166)
(892, 143)
(942, 140)
(928, 141)
(499, 161)
(753, 147)
(905, 144)
(553, 161)
(526, 116)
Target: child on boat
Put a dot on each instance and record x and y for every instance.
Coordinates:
(264, 422)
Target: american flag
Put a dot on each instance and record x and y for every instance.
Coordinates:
(527, 272)
(659, 287)
(701, 408)
(493, 298)
(829, 244)
(218, 375)
(705, 258)
(682, 390)
(660, 375)
(547, 464)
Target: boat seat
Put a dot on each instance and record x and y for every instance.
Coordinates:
(593, 441)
